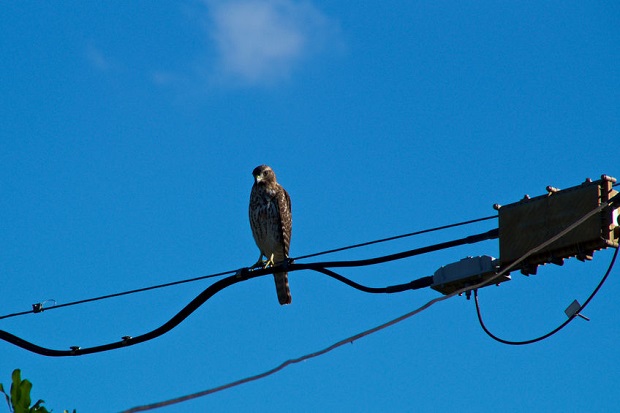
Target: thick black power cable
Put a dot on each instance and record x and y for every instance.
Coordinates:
(218, 286)
(413, 285)
(37, 308)
(246, 274)
(127, 340)
(557, 329)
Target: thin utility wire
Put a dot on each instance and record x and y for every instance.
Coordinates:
(555, 330)
(290, 361)
(38, 307)
(373, 330)
(425, 231)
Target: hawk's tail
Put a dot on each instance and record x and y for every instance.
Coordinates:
(284, 292)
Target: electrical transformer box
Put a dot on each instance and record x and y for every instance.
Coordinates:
(526, 224)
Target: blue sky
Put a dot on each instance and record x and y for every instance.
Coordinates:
(129, 133)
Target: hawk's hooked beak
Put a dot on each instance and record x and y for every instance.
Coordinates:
(258, 178)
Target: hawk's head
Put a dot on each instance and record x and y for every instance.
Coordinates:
(264, 174)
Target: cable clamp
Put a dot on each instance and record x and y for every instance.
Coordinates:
(573, 310)
(285, 264)
(39, 307)
(242, 272)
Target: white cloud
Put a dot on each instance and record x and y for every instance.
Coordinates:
(262, 41)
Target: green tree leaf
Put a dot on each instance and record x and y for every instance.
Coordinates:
(19, 399)
(16, 386)
(22, 402)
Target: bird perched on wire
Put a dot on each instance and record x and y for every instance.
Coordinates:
(271, 221)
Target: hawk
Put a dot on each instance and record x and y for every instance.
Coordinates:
(271, 222)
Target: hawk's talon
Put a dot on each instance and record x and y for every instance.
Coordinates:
(269, 262)
(263, 263)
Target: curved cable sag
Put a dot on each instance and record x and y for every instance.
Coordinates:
(289, 267)
(130, 341)
(411, 234)
(552, 332)
(413, 285)
(242, 275)
(245, 274)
